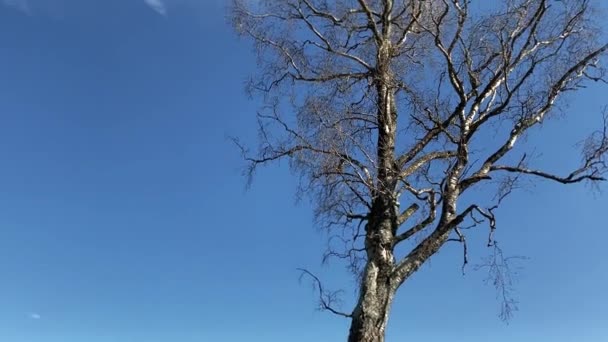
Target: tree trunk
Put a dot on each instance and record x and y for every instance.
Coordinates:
(377, 287)
(371, 314)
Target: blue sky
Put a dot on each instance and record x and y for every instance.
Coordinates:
(123, 214)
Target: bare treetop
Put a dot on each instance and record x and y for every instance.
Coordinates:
(379, 103)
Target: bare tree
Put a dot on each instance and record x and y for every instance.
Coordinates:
(390, 111)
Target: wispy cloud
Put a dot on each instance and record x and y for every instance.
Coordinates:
(50, 7)
(157, 5)
(34, 315)
(22, 5)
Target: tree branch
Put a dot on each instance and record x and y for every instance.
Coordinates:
(571, 178)
(420, 226)
(326, 299)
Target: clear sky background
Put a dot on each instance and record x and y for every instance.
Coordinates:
(123, 214)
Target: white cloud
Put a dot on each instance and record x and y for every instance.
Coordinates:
(21, 5)
(35, 316)
(60, 7)
(157, 5)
